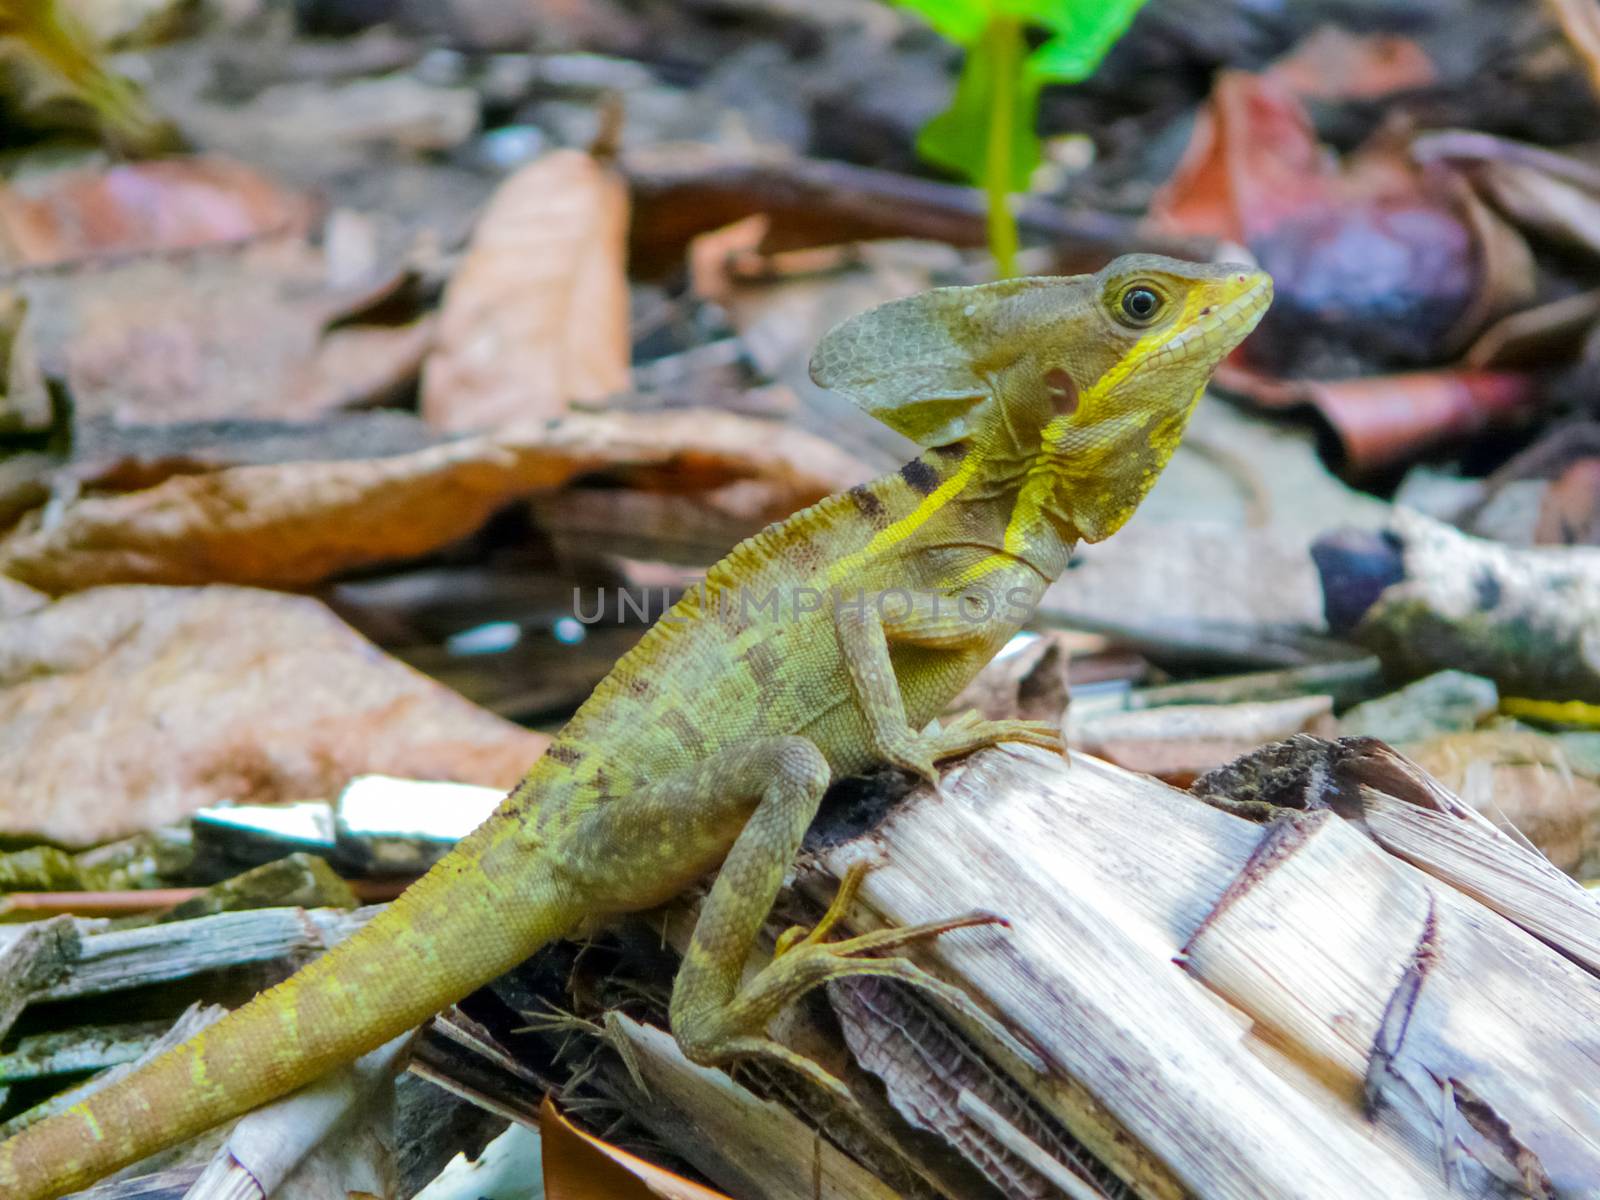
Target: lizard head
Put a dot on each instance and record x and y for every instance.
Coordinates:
(1079, 387)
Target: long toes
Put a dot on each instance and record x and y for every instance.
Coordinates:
(765, 1049)
(882, 939)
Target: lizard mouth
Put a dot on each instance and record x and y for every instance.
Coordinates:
(1228, 324)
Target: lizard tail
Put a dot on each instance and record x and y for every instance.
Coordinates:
(481, 910)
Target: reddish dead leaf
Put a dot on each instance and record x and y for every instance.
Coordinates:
(1252, 161)
(579, 1166)
(140, 208)
(200, 695)
(1387, 419)
(1378, 263)
(1333, 64)
(292, 524)
(537, 316)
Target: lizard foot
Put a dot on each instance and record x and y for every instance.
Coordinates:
(968, 731)
(802, 961)
(920, 753)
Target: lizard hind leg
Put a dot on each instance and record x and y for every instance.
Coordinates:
(748, 806)
(718, 1030)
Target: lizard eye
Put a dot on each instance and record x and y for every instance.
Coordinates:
(1140, 304)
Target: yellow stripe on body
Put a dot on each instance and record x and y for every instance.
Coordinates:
(909, 524)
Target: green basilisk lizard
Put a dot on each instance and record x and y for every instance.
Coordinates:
(819, 647)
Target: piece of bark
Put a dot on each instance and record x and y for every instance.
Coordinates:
(751, 1147)
(1528, 618)
(212, 694)
(1412, 814)
(117, 960)
(73, 1051)
(1085, 974)
(37, 957)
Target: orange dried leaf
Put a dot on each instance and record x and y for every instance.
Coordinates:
(199, 695)
(579, 1166)
(537, 316)
(1253, 159)
(293, 524)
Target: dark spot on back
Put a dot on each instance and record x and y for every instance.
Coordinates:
(868, 504)
(954, 452)
(690, 738)
(920, 476)
(564, 754)
(763, 663)
(806, 554)
(638, 687)
(1488, 589)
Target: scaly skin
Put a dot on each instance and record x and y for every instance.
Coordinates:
(816, 648)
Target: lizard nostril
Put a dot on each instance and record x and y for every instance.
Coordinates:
(1206, 311)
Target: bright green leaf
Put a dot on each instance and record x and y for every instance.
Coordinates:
(1084, 32)
(961, 21)
(958, 138)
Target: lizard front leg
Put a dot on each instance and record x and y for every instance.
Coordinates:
(864, 637)
(760, 797)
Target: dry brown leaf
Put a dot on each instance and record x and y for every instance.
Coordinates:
(579, 1166)
(139, 208)
(1524, 778)
(360, 365)
(293, 524)
(1580, 21)
(537, 316)
(126, 708)
(711, 255)
(1536, 199)
(228, 334)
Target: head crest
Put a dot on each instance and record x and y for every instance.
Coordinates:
(918, 364)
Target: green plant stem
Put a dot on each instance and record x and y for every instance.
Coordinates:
(1002, 42)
